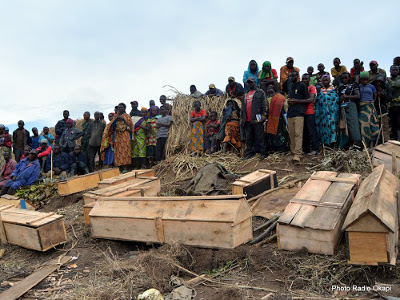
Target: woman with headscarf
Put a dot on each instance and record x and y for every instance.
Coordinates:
(118, 135)
(276, 124)
(327, 112)
(268, 76)
(5, 143)
(139, 140)
(106, 148)
(151, 139)
(252, 71)
(367, 116)
(197, 120)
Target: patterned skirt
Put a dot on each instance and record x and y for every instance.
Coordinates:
(369, 122)
(327, 117)
(197, 137)
(232, 134)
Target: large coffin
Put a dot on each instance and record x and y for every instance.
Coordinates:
(207, 221)
(386, 154)
(372, 222)
(314, 217)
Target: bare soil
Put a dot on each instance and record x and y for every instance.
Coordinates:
(121, 270)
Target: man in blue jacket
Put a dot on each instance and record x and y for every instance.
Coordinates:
(26, 173)
(60, 163)
(78, 161)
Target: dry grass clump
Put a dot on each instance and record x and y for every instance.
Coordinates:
(179, 132)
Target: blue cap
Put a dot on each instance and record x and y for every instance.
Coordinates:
(6, 128)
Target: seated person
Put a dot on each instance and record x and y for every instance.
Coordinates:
(26, 173)
(213, 91)
(212, 128)
(27, 149)
(234, 89)
(7, 168)
(44, 150)
(78, 161)
(268, 76)
(60, 163)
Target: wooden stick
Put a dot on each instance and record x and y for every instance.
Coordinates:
(271, 238)
(270, 221)
(369, 157)
(264, 234)
(40, 218)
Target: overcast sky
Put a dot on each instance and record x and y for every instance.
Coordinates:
(93, 54)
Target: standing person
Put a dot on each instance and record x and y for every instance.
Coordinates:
(375, 71)
(7, 168)
(234, 89)
(213, 91)
(254, 114)
(119, 137)
(106, 149)
(313, 78)
(212, 128)
(5, 143)
(327, 112)
(229, 132)
(20, 140)
(139, 140)
(356, 70)
(69, 137)
(251, 72)
(61, 163)
(151, 104)
(26, 172)
(197, 120)
(78, 161)
(336, 71)
(61, 125)
(163, 124)
(286, 70)
(310, 133)
(349, 96)
(116, 109)
(394, 110)
(46, 135)
(381, 105)
(194, 93)
(134, 111)
(318, 76)
(85, 138)
(367, 115)
(276, 124)
(163, 101)
(268, 76)
(151, 137)
(298, 100)
(35, 138)
(94, 135)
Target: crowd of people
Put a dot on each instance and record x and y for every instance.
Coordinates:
(296, 112)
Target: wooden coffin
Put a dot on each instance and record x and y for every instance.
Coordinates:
(314, 217)
(32, 229)
(255, 183)
(87, 208)
(372, 222)
(126, 177)
(108, 173)
(206, 221)
(137, 187)
(15, 201)
(387, 153)
(78, 184)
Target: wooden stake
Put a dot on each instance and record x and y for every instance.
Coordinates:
(51, 165)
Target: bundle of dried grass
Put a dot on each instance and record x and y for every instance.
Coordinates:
(179, 132)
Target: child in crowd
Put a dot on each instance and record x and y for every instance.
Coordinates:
(163, 124)
(197, 119)
(212, 127)
(151, 141)
(231, 142)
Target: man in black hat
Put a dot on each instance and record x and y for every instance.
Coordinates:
(253, 115)
(26, 173)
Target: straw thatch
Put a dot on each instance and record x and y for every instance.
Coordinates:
(179, 132)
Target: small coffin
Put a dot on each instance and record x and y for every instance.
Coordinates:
(255, 183)
(126, 177)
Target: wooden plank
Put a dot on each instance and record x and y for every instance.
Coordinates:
(368, 246)
(52, 234)
(313, 190)
(108, 173)
(16, 203)
(289, 213)
(87, 208)
(389, 148)
(28, 217)
(160, 230)
(32, 280)
(302, 215)
(316, 203)
(23, 236)
(126, 177)
(78, 184)
(368, 223)
(336, 179)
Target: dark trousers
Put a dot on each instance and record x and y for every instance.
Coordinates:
(79, 167)
(310, 134)
(160, 148)
(92, 151)
(18, 153)
(254, 131)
